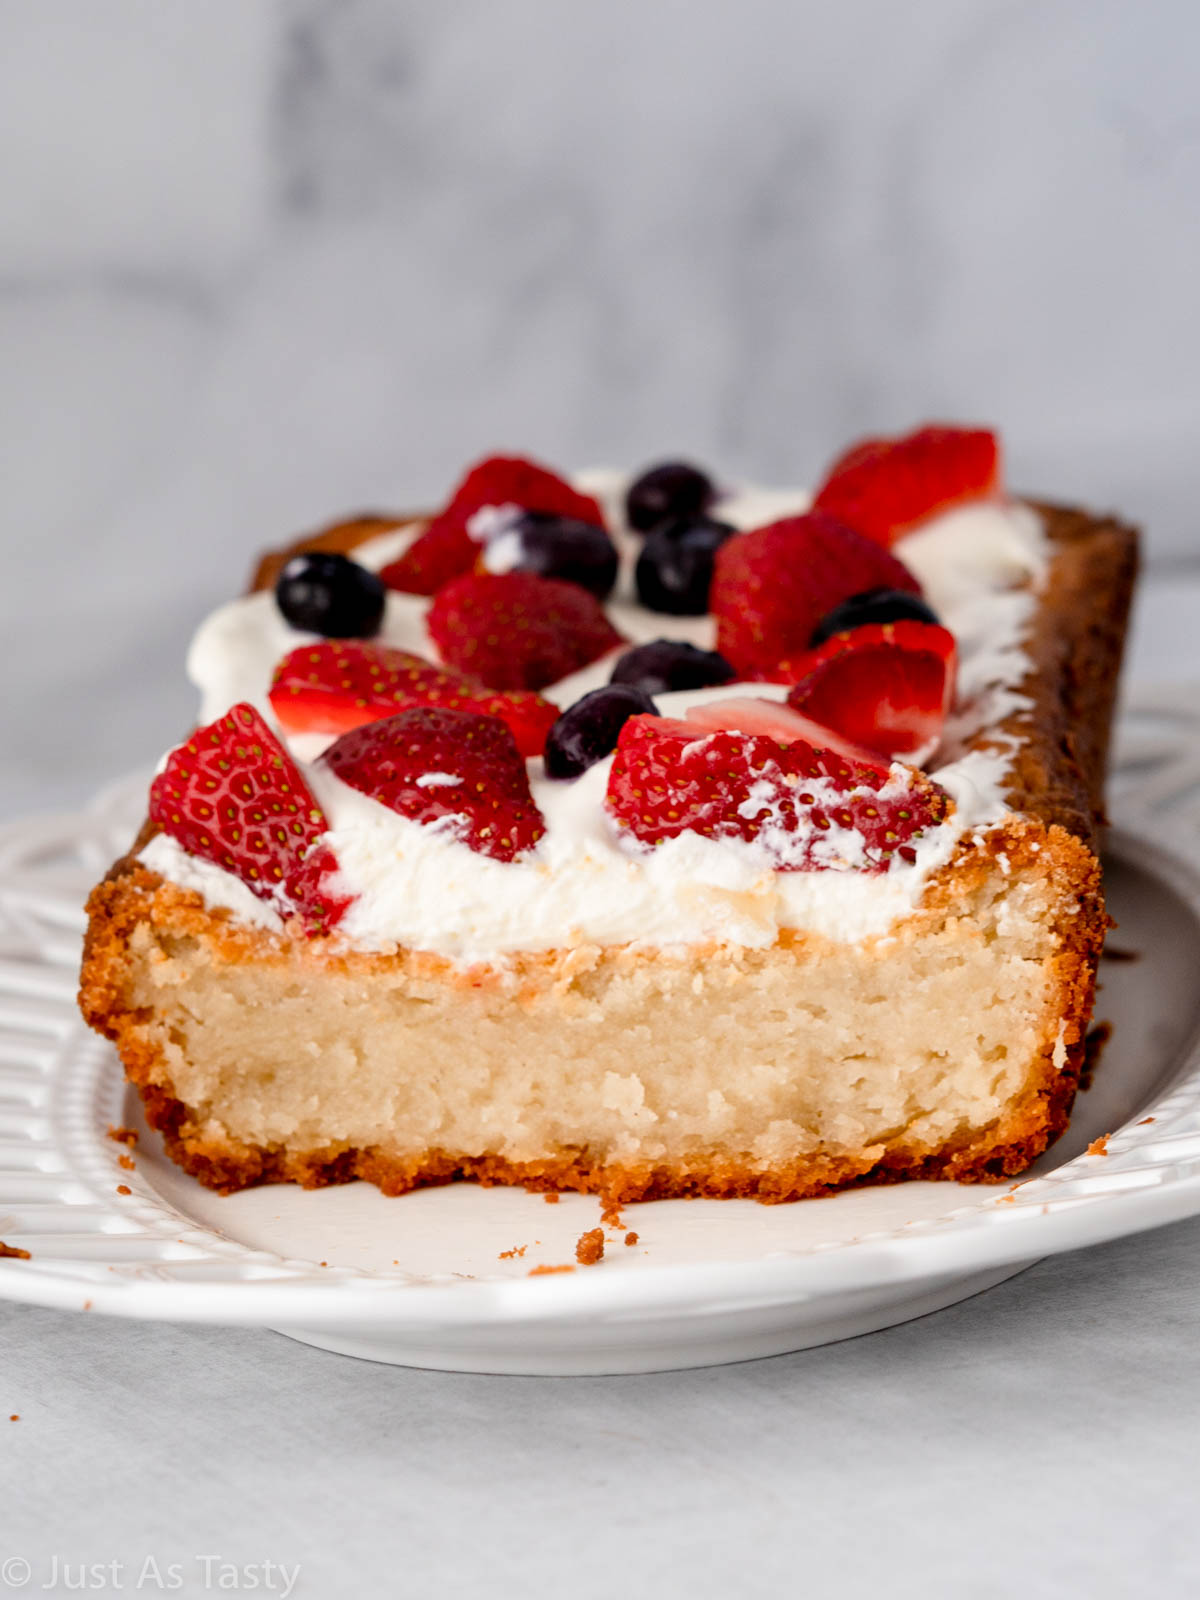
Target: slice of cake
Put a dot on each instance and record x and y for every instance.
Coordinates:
(634, 836)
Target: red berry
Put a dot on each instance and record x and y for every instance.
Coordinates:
(886, 685)
(885, 487)
(428, 764)
(513, 630)
(234, 796)
(446, 549)
(771, 587)
(808, 808)
(340, 684)
(783, 724)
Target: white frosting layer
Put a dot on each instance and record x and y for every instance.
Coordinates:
(417, 885)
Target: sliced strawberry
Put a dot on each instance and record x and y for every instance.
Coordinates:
(783, 724)
(809, 809)
(430, 764)
(234, 796)
(513, 630)
(447, 548)
(339, 684)
(887, 685)
(772, 586)
(885, 487)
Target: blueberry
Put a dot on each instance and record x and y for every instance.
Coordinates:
(329, 594)
(667, 492)
(674, 571)
(668, 664)
(588, 730)
(872, 605)
(563, 547)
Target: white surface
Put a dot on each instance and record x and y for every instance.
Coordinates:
(434, 1279)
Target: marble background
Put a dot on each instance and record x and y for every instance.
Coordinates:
(262, 263)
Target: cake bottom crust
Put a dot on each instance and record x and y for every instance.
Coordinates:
(952, 1050)
(228, 1166)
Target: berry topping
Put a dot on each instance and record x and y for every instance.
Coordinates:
(452, 767)
(873, 605)
(885, 487)
(771, 587)
(665, 665)
(514, 630)
(887, 685)
(336, 686)
(555, 547)
(587, 732)
(234, 796)
(450, 544)
(330, 594)
(783, 723)
(669, 492)
(807, 808)
(675, 569)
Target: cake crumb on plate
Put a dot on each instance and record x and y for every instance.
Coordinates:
(590, 1247)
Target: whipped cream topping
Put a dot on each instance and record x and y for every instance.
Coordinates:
(418, 885)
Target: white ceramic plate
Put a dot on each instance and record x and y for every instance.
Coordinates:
(426, 1280)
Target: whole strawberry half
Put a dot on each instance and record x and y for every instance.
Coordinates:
(446, 548)
(885, 487)
(431, 764)
(513, 630)
(772, 586)
(340, 684)
(808, 808)
(887, 685)
(234, 796)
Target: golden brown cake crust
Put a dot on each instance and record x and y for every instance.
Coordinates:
(1057, 783)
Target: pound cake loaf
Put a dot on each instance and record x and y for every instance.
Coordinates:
(636, 835)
